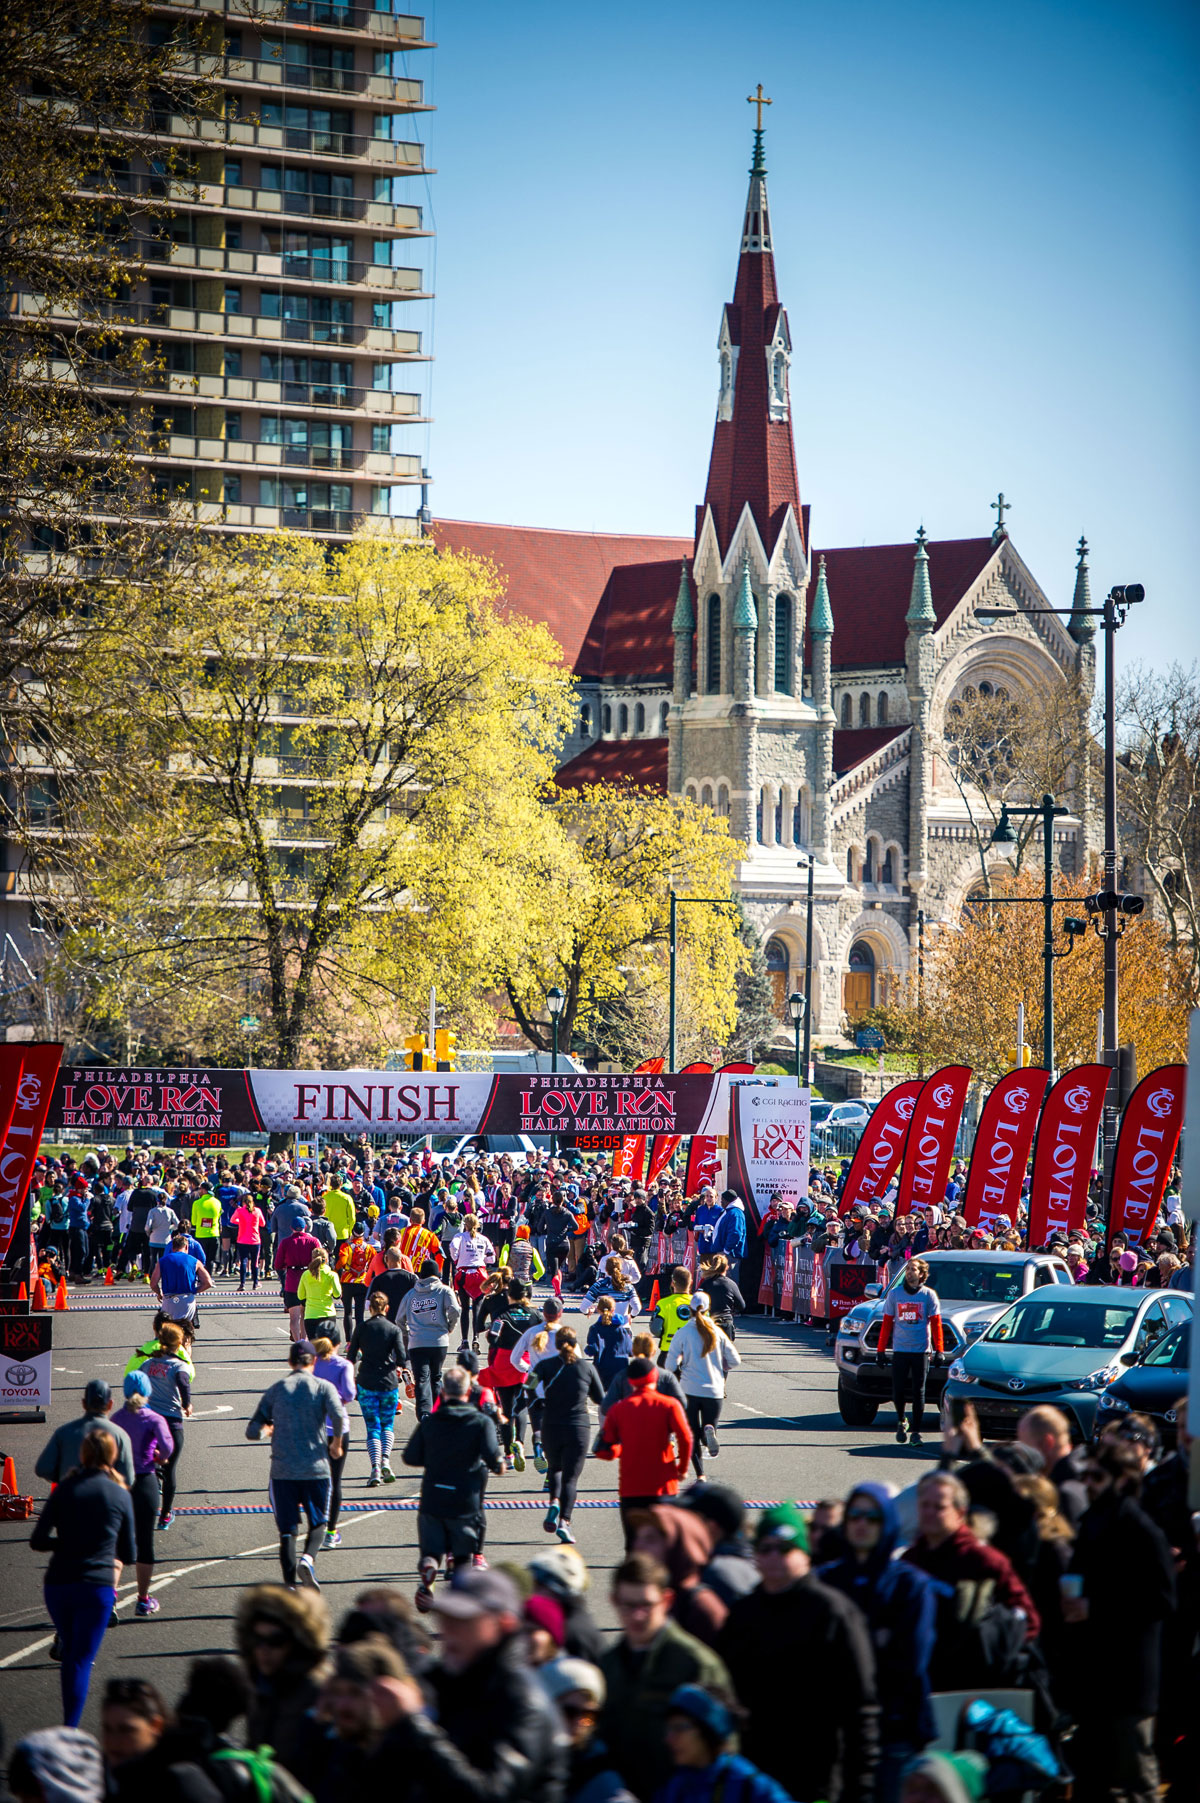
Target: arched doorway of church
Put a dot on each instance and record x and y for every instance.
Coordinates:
(858, 985)
(778, 969)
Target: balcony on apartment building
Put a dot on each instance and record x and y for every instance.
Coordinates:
(405, 30)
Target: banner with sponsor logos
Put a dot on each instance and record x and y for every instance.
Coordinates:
(704, 1155)
(1062, 1153)
(878, 1153)
(25, 1357)
(932, 1132)
(117, 1104)
(1145, 1152)
(768, 1143)
(1001, 1149)
(34, 1092)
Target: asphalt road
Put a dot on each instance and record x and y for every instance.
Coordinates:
(781, 1437)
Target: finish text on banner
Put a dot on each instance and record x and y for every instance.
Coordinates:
(667, 1144)
(768, 1143)
(1001, 1150)
(20, 1149)
(878, 1153)
(1145, 1152)
(931, 1136)
(1062, 1155)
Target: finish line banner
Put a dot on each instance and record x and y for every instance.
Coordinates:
(113, 1104)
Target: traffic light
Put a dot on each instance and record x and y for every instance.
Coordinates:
(446, 1047)
(416, 1057)
(1114, 898)
(1020, 1056)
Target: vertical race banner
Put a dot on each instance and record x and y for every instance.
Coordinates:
(1146, 1148)
(630, 1160)
(20, 1149)
(667, 1144)
(879, 1151)
(768, 1145)
(12, 1068)
(1001, 1150)
(704, 1157)
(931, 1136)
(1062, 1153)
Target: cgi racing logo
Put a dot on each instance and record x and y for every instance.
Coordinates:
(1077, 1100)
(1160, 1102)
(905, 1106)
(29, 1093)
(1017, 1101)
(943, 1095)
(21, 1377)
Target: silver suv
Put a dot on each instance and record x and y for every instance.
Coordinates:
(974, 1289)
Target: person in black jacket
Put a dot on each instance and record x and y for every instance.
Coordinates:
(795, 1637)
(566, 1382)
(1117, 1626)
(496, 1736)
(1164, 1499)
(457, 1445)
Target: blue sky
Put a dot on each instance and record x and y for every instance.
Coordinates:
(986, 239)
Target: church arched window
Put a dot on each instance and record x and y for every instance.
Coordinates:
(847, 712)
(706, 796)
(606, 717)
(623, 721)
(881, 711)
(783, 644)
(639, 720)
(585, 722)
(663, 716)
(851, 866)
(712, 667)
(723, 802)
(779, 817)
(864, 710)
(760, 817)
(868, 875)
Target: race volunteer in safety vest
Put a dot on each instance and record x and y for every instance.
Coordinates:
(671, 1312)
(911, 1326)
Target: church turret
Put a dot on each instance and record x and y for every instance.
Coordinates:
(820, 627)
(683, 627)
(745, 626)
(919, 672)
(1081, 625)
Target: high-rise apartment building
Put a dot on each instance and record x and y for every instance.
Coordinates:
(276, 291)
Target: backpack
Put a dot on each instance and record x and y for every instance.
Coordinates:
(250, 1775)
(58, 1211)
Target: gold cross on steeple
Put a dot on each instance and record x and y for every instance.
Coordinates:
(759, 100)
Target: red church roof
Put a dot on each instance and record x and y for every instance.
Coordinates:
(566, 580)
(852, 746)
(870, 586)
(639, 761)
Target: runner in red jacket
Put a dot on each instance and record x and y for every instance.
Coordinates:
(651, 1434)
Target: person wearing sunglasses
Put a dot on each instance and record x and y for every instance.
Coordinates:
(900, 1606)
(578, 1688)
(283, 1640)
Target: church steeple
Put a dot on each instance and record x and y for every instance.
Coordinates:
(1081, 626)
(753, 462)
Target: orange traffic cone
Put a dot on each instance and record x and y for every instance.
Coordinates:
(653, 1302)
(108, 1275)
(39, 1295)
(22, 1294)
(60, 1294)
(8, 1479)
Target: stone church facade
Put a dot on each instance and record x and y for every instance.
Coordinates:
(803, 693)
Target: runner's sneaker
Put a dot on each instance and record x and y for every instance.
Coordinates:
(307, 1572)
(164, 1521)
(147, 1605)
(478, 1562)
(518, 1456)
(374, 1481)
(709, 1436)
(914, 1439)
(564, 1533)
(55, 1652)
(902, 1434)
(551, 1522)
(386, 1473)
(332, 1539)
(539, 1458)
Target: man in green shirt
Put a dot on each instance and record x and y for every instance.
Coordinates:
(206, 1225)
(339, 1211)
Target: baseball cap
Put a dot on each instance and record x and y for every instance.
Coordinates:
(302, 1350)
(783, 1522)
(473, 1593)
(97, 1394)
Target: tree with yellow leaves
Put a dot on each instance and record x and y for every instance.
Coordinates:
(601, 889)
(980, 970)
(308, 785)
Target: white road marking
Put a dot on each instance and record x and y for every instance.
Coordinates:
(222, 1408)
(253, 1552)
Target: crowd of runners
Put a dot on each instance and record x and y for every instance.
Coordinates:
(464, 1319)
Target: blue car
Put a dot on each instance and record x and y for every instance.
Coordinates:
(1151, 1387)
(1063, 1347)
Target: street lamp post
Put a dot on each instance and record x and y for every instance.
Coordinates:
(556, 1001)
(1004, 835)
(798, 1009)
(677, 902)
(808, 932)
